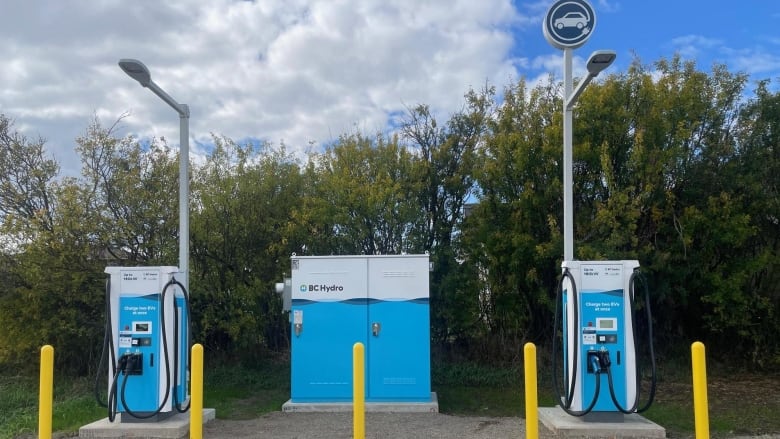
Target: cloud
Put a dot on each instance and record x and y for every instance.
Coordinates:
(302, 71)
(691, 46)
(756, 62)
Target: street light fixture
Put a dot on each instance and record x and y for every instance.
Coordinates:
(598, 61)
(138, 71)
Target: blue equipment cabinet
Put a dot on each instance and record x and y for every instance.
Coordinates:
(380, 301)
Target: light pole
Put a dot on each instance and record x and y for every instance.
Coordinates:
(598, 61)
(138, 71)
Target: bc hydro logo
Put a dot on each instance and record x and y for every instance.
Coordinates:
(320, 288)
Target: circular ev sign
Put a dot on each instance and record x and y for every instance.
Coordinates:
(569, 23)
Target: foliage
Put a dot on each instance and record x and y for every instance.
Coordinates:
(674, 167)
(364, 201)
(241, 242)
(72, 406)
(447, 159)
(512, 233)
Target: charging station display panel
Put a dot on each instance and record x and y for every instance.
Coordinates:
(139, 326)
(606, 326)
(144, 385)
(604, 329)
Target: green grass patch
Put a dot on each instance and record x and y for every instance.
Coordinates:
(72, 405)
(740, 404)
(242, 392)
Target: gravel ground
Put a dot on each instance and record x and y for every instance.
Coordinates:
(279, 425)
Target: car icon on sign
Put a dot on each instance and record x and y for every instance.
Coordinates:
(571, 19)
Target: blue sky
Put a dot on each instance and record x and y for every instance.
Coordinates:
(743, 35)
(303, 72)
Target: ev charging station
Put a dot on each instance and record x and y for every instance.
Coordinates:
(599, 339)
(147, 333)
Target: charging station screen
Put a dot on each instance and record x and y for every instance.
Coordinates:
(606, 324)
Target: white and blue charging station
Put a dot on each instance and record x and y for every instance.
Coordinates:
(148, 337)
(380, 301)
(600, 379)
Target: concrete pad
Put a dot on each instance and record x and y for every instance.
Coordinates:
(563, 425)
(175, 427)
(385, 407)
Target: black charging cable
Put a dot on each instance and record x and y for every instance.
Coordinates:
(567, 399)
(634, 408)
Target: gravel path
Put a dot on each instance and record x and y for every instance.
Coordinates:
(279, 425)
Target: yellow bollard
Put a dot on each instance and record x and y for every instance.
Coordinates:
(531, 399)
(358, 391)
(700, 407)
(46, 393)
(196, 402)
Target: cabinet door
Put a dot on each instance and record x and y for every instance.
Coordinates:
(329, 303)
(398, 332)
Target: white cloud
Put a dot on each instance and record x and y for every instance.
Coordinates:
(691, 46)
(299, 70)
(755, 62)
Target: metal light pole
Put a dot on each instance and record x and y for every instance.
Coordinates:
(567, 26)
(598, 61)
(138, 71)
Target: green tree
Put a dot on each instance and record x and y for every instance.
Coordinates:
(77, 226)
(445, 159)
(48, 258)
(512, 235)
(658, 179)
(758, 182)
(242, 238)
(133, 192)
(364, 201)
(26, 181)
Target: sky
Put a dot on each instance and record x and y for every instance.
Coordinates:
(303, 72)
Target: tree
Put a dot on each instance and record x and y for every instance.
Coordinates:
(757, 179)
(242, 238)
(445, 160)
(26, 179)
(49, 262)
(512, 235)
(365, 196)
(133, 191)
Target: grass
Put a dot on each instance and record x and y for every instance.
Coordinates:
(241, 392)
(740, 403)
(73, 405)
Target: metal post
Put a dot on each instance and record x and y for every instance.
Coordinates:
(46, 392)
(358, 391)
(568, 181)
(700, 405)
(138, 71)
(531, 393)
(184, 194)
(196, 405)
